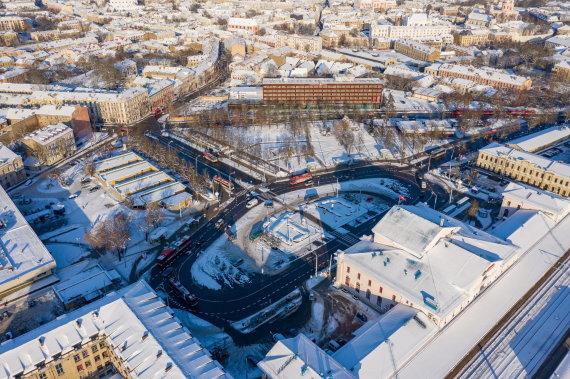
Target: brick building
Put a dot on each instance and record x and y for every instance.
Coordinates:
(339, 90)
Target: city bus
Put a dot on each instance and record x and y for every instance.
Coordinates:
(182, 292)
(211, 157)
(300, 178)
(224, 183)
(172, 252)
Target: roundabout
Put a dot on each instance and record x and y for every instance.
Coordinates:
(223, 299)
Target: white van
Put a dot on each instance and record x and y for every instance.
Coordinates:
(252, 203)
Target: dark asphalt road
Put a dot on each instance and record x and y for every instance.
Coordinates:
(231, 304)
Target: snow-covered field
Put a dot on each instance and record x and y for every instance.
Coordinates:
(216, 267)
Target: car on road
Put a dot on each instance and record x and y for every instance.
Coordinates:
(311, 296)
(252, 203)
(309, 183)
(73, 196)
(168, 272)
(93, 189)
(220, 223)
(73, 164)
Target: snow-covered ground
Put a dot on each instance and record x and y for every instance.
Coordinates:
(240, 359)
(64, 235)
(217, 266)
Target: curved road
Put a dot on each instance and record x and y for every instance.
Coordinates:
(231, 304)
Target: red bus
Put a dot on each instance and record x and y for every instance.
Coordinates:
(182, 243)
(211, 157)
(224, 183)
(166, 256)
(300, 178)
(182, 292)
(172, 252)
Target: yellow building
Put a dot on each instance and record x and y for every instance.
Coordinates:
(417, 50)
(11, 167)
(51, 144)
(526, 167)
(130, 332)
(562, 71)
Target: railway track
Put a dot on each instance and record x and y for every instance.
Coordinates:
(495, 354)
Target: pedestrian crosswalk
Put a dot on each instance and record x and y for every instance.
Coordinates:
(348, 238)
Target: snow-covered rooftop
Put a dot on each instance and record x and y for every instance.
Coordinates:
(50, 133)
(22, 254)
(432, 260)
(542, 139)
(137, 325)
(299, 357)
(555, 206)
(387, 342)
(497, 149)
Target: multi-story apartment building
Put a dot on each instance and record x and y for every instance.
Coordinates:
(486, 76)
(114, 107)
(8, 38)
(339, 90)
(394, 32)
(12, 23)
(50, 144)
(299, 42)
(11, 167)
(526, 167)
(130, 334)
(562, 70)
(377, 5)
(248, 25)
(471, 37)
(417, 50)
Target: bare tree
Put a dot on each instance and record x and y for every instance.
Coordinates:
(344, 134)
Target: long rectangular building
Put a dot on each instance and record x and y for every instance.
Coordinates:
(487, 76)
(526, 167)
(339, 90)
(23, 257)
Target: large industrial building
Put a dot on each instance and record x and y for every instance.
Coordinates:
(316, 91)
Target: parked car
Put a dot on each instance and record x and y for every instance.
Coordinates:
(333, 345)
(73, 196)
(85, 180)
(93, 189)
(269, 203)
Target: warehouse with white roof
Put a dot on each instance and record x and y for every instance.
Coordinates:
(23, 257)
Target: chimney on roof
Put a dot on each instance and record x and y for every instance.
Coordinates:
(145, 335)
(168, 366)
(159, 353)
(79, 322)
(42, 340)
